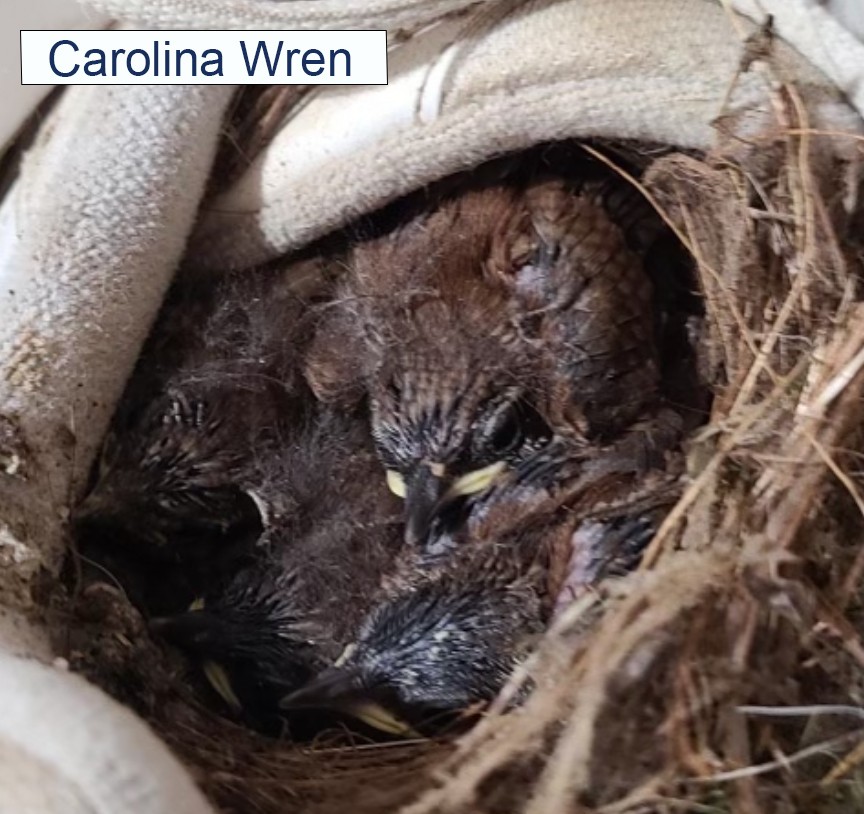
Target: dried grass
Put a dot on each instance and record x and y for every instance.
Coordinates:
(727, 675)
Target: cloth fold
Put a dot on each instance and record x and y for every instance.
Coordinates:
(90, 235)
(817, 34)
(283, 15)
(65, 748)
(519, 74)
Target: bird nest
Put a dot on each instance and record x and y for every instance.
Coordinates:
(725, 674)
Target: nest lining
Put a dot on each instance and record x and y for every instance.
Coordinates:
(725, 675)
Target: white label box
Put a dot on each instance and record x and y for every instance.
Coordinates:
(203, 57)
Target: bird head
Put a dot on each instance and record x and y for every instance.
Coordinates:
(439, 648)
(446, 433)
(250, 640)
(456, 395)
(166, 488)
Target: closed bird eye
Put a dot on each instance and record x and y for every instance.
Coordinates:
(167, 501)
(396, 483)
(502, 431)
(508, 434)
(178, 499)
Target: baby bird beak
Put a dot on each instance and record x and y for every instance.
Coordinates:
(423, 492)
(194, 628)
(377, 717)
(220, 681)
(337, 688)
(331, 684)
(186, 630)
(429, 489)
(472, 483)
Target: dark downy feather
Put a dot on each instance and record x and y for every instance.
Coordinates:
(218, 392)
(457, 618)
(510, 311)
(316, 571)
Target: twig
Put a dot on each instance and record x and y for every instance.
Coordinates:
(799, 711)
(812, 131)
(846, 765)
(825, 747)
(854, 576)
(652, 552)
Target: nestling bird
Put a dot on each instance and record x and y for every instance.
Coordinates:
(512, 311)
(454, 624)
(177, 493)
(317, 569)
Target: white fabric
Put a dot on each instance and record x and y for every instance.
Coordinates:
(19, 100)
(655, 70)
(850, 14)
(819, 36)
(65, 748)
(89, 237)
(282, 14)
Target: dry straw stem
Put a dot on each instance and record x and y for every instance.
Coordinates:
(787, 491)
(673, 591)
